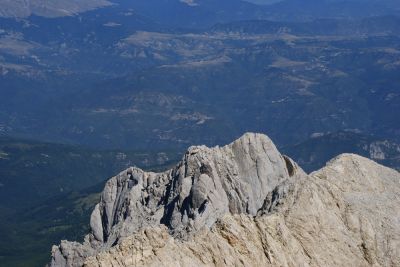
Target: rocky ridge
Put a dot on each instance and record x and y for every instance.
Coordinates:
(244, 204)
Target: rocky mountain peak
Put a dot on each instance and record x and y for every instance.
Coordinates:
(248, 183)
(204, 185)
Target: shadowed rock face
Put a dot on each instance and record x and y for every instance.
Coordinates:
(244, 204)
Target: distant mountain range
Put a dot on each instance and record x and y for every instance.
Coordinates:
(203, 13)
(50, 9)
(115, 81)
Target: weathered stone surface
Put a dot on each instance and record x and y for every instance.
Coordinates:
(245, 205)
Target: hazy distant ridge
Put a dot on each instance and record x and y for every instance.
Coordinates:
(51, 9)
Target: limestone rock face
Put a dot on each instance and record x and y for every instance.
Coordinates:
(244, 204)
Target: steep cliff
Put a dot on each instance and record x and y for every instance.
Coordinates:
(244, 204)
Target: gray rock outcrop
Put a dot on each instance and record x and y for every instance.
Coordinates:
(244, 204)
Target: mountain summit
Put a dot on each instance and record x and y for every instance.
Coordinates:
(244, 204)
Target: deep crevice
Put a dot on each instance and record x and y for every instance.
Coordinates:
(289, 166)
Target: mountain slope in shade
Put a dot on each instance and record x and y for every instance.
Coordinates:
(47, 192)
(31, 171)
(313, 153)
(244, 204)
